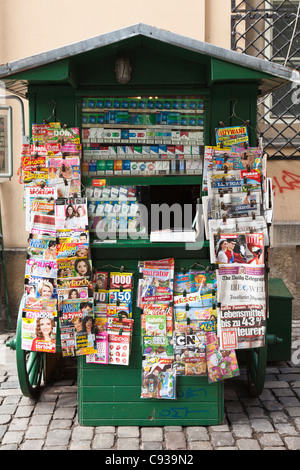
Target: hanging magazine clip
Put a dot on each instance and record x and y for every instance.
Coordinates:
(224, 219)
(65, 182)
(120, 331)
(223, 206)
(221, 194)
(122, 269)
(253, 215)
(187, 307)
(226, 169)
(183, 270)
(245, 156)
(248, 192)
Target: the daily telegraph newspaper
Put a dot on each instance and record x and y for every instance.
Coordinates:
(242, 306)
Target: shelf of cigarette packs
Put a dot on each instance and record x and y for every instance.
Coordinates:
(142, 137)
(114, 210)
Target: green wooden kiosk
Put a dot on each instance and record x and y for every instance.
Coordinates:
(163, 67)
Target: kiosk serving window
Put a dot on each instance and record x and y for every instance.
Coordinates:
(148, 152)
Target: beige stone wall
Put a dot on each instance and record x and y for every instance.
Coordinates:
(31, 27)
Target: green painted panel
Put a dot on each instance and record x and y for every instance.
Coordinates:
(42, 102)
(133, 393)
(57, 71)
(164, 412)
(224, 71)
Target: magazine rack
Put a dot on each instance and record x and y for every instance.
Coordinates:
(111, 394)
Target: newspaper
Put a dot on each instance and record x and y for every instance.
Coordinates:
(242, 306)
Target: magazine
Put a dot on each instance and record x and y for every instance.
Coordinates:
(74, 267)
(234, 181)
(61, 169)
(42, 247)
(119, 348)
(229, 136)
(71, 214)
(238, 158)
(189, 353)
(120, 296)
(221, 363)
(121, 280)
(101, 356)
(39, 330)
(157, 346)
(158, 378)
(204, 282)
(237, 248)
(63, 136)
(182, 283)
(155, 281)
(152, 309)
(72, 236)
(77, 330)
(72, 250)
(41, 268)
(100, 280)
(73, 293)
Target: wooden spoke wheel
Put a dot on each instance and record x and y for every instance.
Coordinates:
(30, 364)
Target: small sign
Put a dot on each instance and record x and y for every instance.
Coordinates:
(6, 157)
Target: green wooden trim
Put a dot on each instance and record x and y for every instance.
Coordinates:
(145, 180)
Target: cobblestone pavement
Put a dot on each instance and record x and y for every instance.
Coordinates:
(269, 422)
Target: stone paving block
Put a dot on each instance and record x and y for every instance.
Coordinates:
(128, 431)
(200, 445)
(222, 439)
(32, 444)
(261, 425)
(44, 408)
(5, 419)
(151, 445)
(103, 441)
(64, 413)
(81, 433)
(36, 432)
(292, 443)
(242, 430)
(105, 429)
(40, 419)
(175, 441)
(131, 443)
(59, 437)
(270, 440)
(13, 437)
(247, 444)
(151, 434)
(197, 433)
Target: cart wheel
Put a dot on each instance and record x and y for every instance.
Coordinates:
(256, 362)
(30, 364)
